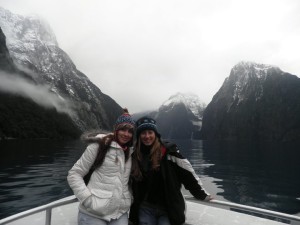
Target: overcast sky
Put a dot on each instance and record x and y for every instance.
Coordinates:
(142, 52)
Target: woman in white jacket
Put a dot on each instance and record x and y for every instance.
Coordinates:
(106, 198)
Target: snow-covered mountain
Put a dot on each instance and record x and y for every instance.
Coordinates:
(249, 77)
(179, 117)
(256, 101)
(33, 48)
(190, 100)
(20, 115)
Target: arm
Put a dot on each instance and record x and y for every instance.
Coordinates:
(79, 170)
(187, 176)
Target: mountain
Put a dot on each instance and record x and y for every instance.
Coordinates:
(256, 102)
(34, 49)
(21, 117)
(6, 62)
(180, 117)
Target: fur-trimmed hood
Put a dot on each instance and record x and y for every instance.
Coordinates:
(94, 136)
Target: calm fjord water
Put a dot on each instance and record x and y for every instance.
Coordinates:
(266, 175)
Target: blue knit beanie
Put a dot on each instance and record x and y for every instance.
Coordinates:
(146, 123)
(124, 120)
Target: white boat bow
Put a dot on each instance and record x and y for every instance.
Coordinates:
(64, 212)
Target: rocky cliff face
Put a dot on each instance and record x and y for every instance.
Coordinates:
(33, 47)
(256, 102)
(21, 117)
(6, 62)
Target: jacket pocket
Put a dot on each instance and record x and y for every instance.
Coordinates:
(127, 195)
(101, 202)
(87, 202)
(127, 199)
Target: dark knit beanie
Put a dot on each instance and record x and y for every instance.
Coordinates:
(146, 123)
(125, 120)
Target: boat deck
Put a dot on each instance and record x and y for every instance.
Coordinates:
(209, 215)
(64, 212)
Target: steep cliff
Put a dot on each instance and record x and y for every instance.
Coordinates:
(21, 117)
(256, 102)
(34, 49)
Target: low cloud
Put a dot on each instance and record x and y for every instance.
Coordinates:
(40, 94)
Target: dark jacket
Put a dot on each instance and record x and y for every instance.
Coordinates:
(176, 170)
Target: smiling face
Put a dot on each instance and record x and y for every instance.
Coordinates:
(147, 137)
(124, 135)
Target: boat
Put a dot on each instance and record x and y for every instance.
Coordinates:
(215, 212)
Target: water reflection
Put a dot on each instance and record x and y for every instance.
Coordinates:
(263, 175)
(266, 175)
(33, 172)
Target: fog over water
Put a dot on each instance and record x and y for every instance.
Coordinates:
(40, 94)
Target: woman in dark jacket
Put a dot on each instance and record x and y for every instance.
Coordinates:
(158, 172)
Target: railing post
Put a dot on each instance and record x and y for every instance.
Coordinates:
(48, 216)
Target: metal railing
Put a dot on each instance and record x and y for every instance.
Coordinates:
(258, 212)
(44, 208)
(253, 211)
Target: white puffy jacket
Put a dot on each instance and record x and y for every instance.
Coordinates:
(107, 195)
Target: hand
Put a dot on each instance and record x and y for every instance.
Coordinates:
(87, 202)
(208, 198)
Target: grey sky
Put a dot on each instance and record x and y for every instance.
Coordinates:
(141, 52)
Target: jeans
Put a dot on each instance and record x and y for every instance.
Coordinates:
(151, 216)
(84, 219)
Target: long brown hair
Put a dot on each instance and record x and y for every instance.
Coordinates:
(155, 157)
(104, 144)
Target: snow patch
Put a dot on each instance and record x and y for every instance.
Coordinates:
(190, 101)
(243, 72)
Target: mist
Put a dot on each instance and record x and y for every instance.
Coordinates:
(40, 94)
(142, 52)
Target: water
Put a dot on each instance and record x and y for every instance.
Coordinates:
(265, 175)
(33, 172)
